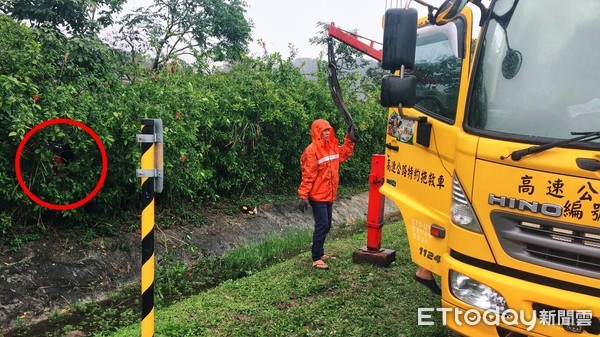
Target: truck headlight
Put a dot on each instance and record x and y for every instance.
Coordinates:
(476, 293)
(461, 211)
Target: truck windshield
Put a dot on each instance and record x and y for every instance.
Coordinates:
(538, 75)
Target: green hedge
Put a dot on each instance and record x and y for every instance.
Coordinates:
(228, 134)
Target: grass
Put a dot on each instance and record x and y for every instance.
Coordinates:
(174, 281)
(292, 299)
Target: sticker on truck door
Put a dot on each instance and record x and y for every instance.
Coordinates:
(401, 129)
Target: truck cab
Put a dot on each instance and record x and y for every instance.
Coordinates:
(493, 158)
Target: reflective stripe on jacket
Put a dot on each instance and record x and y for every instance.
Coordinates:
(320, 163)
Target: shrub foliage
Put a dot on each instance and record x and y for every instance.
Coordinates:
(229, 134)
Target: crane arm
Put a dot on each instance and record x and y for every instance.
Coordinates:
(356, 41)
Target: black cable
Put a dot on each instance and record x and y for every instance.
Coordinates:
(334, 85)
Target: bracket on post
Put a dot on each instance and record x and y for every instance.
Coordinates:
(149, 173)
(156, 138)
(149, 138)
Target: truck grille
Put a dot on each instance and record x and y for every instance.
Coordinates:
(577, 260)
(567, 247)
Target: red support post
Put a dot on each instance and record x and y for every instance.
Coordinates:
(373, 253)
(376, 203)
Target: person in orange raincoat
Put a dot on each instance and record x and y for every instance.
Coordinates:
(320, 163)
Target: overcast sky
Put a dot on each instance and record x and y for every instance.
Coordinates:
(279, 23)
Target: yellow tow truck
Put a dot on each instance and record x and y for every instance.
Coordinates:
(493, 158)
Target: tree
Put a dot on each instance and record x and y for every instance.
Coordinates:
(19, 52)
(76, 16)
(170, 29)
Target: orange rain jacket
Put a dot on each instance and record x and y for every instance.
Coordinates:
(320, 163)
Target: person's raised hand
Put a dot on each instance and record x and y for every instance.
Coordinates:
(352, 132)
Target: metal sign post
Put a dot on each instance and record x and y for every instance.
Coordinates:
(151, 175)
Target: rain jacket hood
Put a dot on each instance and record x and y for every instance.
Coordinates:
(316, 131)
(320, 163)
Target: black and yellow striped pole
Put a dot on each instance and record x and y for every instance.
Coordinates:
(151, 175)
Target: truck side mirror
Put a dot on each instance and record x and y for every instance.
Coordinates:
(449, 10)
(396, 90)
(399, 38)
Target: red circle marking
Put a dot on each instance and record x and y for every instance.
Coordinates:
(102, 153)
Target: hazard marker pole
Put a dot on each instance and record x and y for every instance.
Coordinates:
(373, 253)
(151, 175)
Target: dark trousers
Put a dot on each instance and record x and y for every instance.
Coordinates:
(322, 212)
